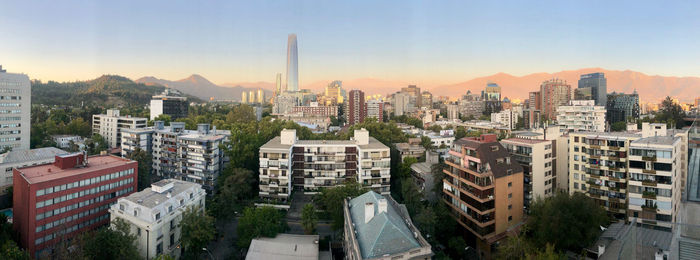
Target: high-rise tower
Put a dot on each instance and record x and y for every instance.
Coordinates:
(292, 64)
(278, 84)
(598, 85)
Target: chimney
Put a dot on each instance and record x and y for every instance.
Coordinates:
(369, 211)
(601, 250)
(382, 206)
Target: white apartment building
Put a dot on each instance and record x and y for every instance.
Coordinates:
(24, 158)
(581, 115)
(375, 109)
(508, 118)
(63, 141)
(137, 138)
(111, 124)
(15, 108)
(536, 156)
(287, 163)
(154, 215)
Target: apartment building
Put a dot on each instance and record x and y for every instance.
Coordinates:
(110, 125)
(64, 141)
(537, 157)
(375, 109)
(508, 118)
(377, 227)
(154, 215)
(55, 202)
(137, 138)
(15, 108)
(24, 158)
(413, 148)
(287, 164)
(315, 110)
(654, 186)
(483, 187)
(581, 115)
(174, 106)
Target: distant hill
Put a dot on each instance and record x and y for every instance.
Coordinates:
(650, 88)
(106, 90)
(204, 89)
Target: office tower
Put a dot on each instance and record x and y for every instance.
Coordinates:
(356, 110)
(16, 104)
(287, 163)
(292, 64)
(491, 95)
(154, 215)
(251, 96)
(110, 125)
(537, 157)
(554, 93)
(427, 99)
(402, 104)
(598, 85)
(278, 84)
(167, 104)
(452, 111)
(622, 107)
(377, 227)
(581, 115)
(414, 92)
(333, 94)
(71, 199)
(483, 188)
(244, 97)
(375, 109)
(260, 98)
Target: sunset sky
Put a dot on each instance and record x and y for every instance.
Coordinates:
(426, 42)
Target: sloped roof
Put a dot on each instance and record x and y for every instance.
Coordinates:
(385, 233)
(31, 155)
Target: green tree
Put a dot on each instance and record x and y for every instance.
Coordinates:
(618, 126)
(236, 185)
(259, 222)
(145, 160)
(426, 220)
(332, 201)
(570, 222)
(9, 250)
(96, 144)
(163, 117)
(241, 114)
(197, 230)
(460, 132)
(410, 195)
(426, 142)
(670, 113)
(435, 128)
(122, 244)
(309, 218)
(514, 247)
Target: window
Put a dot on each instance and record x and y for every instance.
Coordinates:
(136, 213)
(575, 185)
(191, 195)
(575, 166)
(510, 184)
(172, 240)
(170, 208)
(576, 139)
(510, 207)
(138, 231)
(158, 216)
(172, 224)
(159, 248)
(510, 195)
(510, 218)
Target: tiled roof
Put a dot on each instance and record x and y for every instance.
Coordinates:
(31, 155)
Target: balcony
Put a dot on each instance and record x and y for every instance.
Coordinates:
(649, 171)
(649, 195)
(649, 183)
(649, 158)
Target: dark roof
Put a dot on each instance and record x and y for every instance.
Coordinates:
(487, 154)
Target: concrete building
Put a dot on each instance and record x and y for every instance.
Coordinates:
(154, 215)
(333, 94)
(471, 108)
(491, 95)
(621, 107)
(167, 104)
(532, 110)
(110, 125)
(377, 227)
(554, 93)
(286, 246)
(483, 188)
(452, 111)
(412, 148)
(414, 92)
(508, 118)
(287, 163)
(443, 139)
(426, 100)
(581, 115)
(284, 103)
(423, 175)
(24, 158)
(64, 141)
(537, 157)
(292, 64)
(402, 104)
(54, 202)
(356, 109)
(137, 138)
(598, 85)
(15, 107)
(315, 110)
(375, 109)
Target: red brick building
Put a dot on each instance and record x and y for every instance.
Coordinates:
(54, 202)
(356, 110)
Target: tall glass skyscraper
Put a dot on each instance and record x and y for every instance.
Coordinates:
(292, 64)
(598, 85)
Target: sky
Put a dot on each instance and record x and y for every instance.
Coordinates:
(426, 42)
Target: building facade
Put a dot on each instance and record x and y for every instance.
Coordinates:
(24, 158)
(598, 85)
(166, 104)
(483, 188)
(110, 125)
(508, 118)
(15, 108)
(622, 107)
(292, 64)
(137, 138)
(375, 109)
(308, 165)
(314, 109)
(581, 115)
(377, 227)
(154, 215)
(54, 202)
(356, 108)
(554, 93)
(64, 141)
(537, 157)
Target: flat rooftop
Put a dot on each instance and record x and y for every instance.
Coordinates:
(656, 140)
(31, 155)
(284, 247)
(525, 141)
(49, 172)
(150, 199)
(609, 134)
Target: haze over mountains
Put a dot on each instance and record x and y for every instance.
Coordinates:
(650, 88)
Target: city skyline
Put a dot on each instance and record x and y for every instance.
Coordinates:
(429, 44)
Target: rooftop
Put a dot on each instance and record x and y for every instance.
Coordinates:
(31, 155)
(275, 143)
(150, 198)
(284, 247)
(525, 141)
(385, 233)
(629, 134)
(49, 172)
(656, 140)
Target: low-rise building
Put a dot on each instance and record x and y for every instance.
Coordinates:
(154, 215)
(24, 158)
(64, 141)
(110, 125)
(285, 246)
(287, 163)
(377, 227)
(54, 202)
(412, 148)
(423, 174)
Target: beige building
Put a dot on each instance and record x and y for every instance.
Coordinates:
(539, 167)
(581, 115)
(110, 125)
(15, 108)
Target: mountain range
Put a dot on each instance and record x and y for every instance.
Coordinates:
(651, 88)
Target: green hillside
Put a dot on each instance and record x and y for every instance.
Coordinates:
(108, 90)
